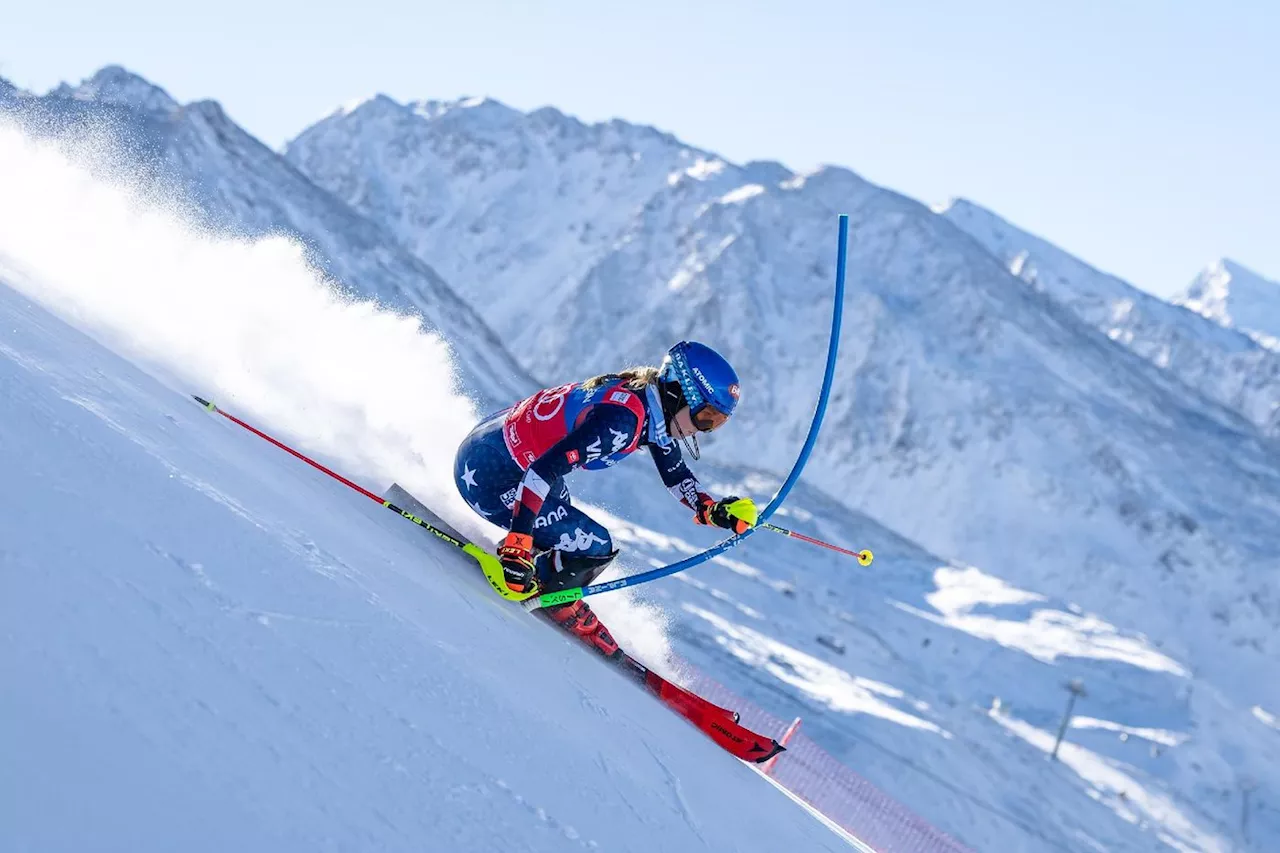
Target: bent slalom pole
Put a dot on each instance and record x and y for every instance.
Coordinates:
(837, 312)
(488, 562)
(864, 556)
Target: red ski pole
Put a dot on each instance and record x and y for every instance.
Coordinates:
(864, 557)
(489, 564)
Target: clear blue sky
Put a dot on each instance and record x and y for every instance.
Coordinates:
(1143, 136)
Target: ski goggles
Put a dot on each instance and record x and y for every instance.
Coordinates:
(708, 418)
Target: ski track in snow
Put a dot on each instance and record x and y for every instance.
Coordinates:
(681, 805)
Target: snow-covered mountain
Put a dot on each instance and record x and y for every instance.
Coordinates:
(1225, 365)
(538, 197)
(196, 156)
(1233, 296)
(116, 85)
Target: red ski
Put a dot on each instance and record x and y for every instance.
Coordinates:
(719, 724)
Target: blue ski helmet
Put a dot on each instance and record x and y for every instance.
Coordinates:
(705, 381)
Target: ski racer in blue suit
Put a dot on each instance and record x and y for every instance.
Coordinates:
(511, 468)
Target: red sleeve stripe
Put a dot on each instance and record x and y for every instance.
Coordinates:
(532, 491)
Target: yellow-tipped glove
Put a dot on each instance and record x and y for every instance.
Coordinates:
(731, 513)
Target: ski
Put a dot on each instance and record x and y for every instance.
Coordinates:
(719, 724)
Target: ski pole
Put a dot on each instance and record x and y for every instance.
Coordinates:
(488, 563)
(864, 556)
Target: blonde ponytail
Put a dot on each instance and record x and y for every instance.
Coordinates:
(636, 378)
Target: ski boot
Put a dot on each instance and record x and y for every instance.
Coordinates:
(576, 618)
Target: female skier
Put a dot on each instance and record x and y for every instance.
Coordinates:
(513, 464)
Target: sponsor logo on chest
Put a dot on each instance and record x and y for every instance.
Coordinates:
(550, 402)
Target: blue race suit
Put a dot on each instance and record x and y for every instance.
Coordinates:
(512, 466)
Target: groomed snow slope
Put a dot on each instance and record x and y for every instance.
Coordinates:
(208, 646)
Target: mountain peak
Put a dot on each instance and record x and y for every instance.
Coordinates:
(551, 115)
(1231, 294)
(836, 185)
(375, 103)
(767, 172)
(114, 84)
(980, 222)
(549, 119)
(1033, 258)
(956, 204)
(483, 111)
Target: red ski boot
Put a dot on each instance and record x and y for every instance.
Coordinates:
(577, 618)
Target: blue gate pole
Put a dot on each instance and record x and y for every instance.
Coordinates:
(827, 380)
